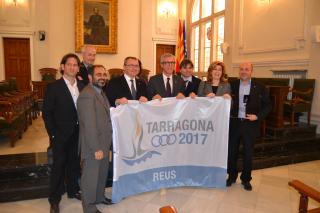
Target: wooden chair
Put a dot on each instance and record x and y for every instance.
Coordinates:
(302, 96)
(144, 75)
(115, 72)
(305, 192)
(168, 209)
(48, 74)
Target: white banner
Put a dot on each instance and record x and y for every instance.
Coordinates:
(169, 143)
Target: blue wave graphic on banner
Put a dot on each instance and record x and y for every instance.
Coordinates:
(143, 158)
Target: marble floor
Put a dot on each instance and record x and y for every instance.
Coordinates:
(271, 193)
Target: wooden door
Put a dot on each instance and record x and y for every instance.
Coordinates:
(161, 49)
(17, 61)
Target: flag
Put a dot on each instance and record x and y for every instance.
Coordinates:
(181, 47)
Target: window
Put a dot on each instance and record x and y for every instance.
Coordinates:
(207, 33)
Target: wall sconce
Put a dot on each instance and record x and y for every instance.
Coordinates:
(167, 9)
(264, 1)
(14, 2)
(42, 35)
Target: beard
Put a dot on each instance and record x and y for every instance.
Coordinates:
(99, 83)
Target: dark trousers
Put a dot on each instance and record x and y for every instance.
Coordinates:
(65, 171)
(245, 131)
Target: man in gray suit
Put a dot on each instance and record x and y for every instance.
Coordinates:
(166, 84)
(94, 139)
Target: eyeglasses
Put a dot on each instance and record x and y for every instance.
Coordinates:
(132, 65)
(168, 62)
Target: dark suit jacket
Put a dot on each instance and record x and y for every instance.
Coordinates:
(156, 85)
(258, 103)
(95, 123)
(119, 88)
(83, 73)
(193, 87)
(59, 112)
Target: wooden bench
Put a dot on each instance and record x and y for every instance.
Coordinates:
(15, 110)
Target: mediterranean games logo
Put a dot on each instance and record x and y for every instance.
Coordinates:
(139, 155)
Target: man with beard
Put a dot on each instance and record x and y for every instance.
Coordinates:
(94, 139)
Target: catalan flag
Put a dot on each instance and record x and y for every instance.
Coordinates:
(181, 47)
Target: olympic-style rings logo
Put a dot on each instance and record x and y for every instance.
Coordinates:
(163, 140)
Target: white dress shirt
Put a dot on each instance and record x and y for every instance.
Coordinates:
(128, 79)
(74, 91)
(170, 81)
(187, 80)
(244, 89)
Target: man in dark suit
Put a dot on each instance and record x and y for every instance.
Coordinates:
(166, 84)
(128, 86)
(250, 105)
(89, 56)
(95, 140)
(61, 121)
(191, 82)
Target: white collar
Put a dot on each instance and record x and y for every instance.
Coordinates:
(69, 83)
(166, 77)
(128, 78)
(187, 78)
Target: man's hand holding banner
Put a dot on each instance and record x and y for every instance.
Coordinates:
(169, 143)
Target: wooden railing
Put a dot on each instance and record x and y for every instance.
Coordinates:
(306, 192)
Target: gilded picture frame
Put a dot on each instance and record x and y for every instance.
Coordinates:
(96, 24)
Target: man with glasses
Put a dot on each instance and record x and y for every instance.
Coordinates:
(166, 84)
(127, 87)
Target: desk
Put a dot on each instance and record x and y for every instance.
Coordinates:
(278, 95)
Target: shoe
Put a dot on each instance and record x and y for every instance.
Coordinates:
(107, 201)
(54, 208)
(246, 185)
(76, 196)
(230, 181)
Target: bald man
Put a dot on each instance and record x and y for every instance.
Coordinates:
(250, 105)
(89, 56)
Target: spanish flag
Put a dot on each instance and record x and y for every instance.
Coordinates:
(181, 47)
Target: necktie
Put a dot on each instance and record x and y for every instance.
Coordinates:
(168, 88)
(187, 83)
(133, 90)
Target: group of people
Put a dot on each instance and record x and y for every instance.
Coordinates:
(76, 112)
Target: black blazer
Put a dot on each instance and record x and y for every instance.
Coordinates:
(59, 112)
(193, 87)
(119, 88)
(83, 73)
(258, 103)
(156, 85)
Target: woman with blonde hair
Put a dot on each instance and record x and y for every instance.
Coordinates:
(216, 84)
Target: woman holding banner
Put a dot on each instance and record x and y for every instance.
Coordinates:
(216, 84)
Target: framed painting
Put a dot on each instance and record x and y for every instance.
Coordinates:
(96, 24)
